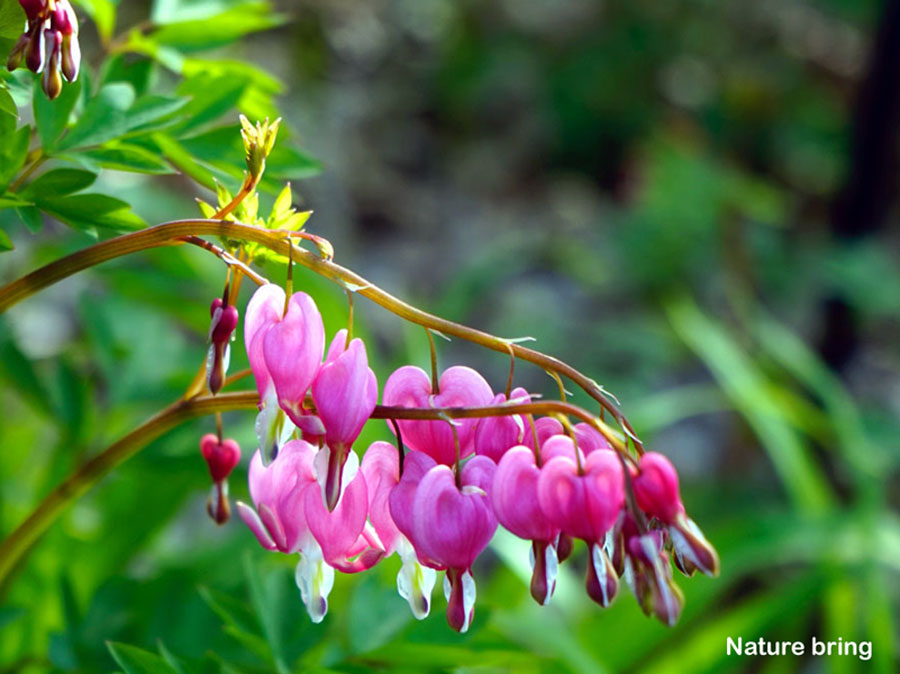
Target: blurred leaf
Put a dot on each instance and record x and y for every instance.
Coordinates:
(52, 117)
(13, 153)
(211, 97)
(150, 113)
(58, 183)
(137, 661)
(184, 161)
(105, 117)
(704, 647)
(89, 211)
(5, 241)
(20, 373)
(218, 29)
(12, 19)
(239, 620)
(124, 157)
(31, 217)
(103, 13)
(7, 104)
(749, 391)
(267, 606)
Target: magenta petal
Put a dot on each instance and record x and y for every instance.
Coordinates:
(365, 561)
(251, 519)
(263, 310)
(605, 489)
(514, 496)
(345, 393)
(590, 439)
(400, 501)
(453, 526)
(656, 488)
(381, 467)
(273, 526)
(559, 445)
(546, 427)
(337, 531)
(293, 350)
(495, 435)
(458, 387)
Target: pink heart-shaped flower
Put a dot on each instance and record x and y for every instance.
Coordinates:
(459, 386)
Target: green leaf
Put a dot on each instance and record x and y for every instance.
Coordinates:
(124, 157)
(288, 163)
(58, 183)
(7, 104)
(217, 30)
(89, 211)
(19, 373)
(13, 153)
(210, 99)
(738, 376)
(105, 117)
(150, 113)
(12, 20)
(52, 117)
(30, 217)
(135, 660)
(184, 161)
(5, 242)
(103, 13)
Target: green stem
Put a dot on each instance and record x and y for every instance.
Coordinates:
(35, 164)
(167, 233)
(27, 533)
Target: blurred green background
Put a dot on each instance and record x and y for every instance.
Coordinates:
(691, 201)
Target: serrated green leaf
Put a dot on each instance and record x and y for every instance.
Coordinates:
(104, 118)
(89, 211)
(125, 157)
(58, 183)
(12, 19)
(52, 117)
(135, 660)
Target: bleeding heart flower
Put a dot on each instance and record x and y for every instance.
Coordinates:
(495, 435)
(345, 392)
(381, 466)
(293, 348)
(585, 504)
(280, 523)
(221, 457)
(514, 496)
(459, 386)
(452, 525)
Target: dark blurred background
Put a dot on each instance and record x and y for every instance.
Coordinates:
(691, 201)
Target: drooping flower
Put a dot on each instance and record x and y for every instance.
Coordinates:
(345, 392)
(221, 457)
(381, 466)
(452, 524)
(293, 348)
(495, 435)
(459, 386)
(279, 520)
(585, 504)
(657, 494)
(49, 43)
(514, 496)
(224, 319)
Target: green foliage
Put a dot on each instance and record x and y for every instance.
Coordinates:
(127, 117)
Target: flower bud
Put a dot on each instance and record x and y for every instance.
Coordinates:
(71, 57)
(33, 8)
(656, 488)
(34, 53)
(221, 457)
(692, 547)
(51, 82)
(17, 53)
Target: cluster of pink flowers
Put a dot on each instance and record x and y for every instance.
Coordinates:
(438, 503)
(49, 43)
